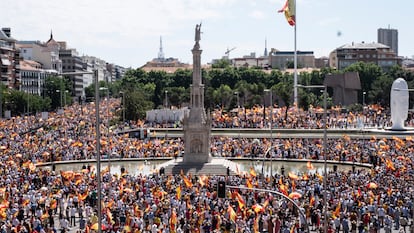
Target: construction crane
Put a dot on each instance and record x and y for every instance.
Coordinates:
(228, 52)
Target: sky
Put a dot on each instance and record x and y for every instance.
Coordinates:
(127, 32)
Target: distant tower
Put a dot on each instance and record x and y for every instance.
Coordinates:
(265, 51)
(161, 53)
(389, 37)
(197, 126)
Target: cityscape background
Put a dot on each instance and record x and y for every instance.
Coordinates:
(128, 33)
(56, 38)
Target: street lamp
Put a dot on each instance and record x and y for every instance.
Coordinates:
(325, 177)
(166, 99)
(107, 121)
(363, 98)
(61, 98)
(271, 127)
(236, 93)
(98, 143)
(123, 105)
(98, 151)
(64, 99)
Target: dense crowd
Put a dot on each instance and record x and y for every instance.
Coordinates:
(41, 200)
(371, 116)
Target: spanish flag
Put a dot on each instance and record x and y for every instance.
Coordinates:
(253, 172)
(337, 211)
(232, 213)
(187, 182)
(249, 183)
(178, 192)
(290, 12)
(240, 200)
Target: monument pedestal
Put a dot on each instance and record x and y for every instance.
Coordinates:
(197, 133)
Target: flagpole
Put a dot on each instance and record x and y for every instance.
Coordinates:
(295, 65)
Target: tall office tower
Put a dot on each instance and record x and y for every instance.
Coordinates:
(389, 36)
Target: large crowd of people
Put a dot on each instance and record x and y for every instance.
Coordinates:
(39, 199)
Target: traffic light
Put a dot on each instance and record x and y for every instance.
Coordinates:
(221, 189)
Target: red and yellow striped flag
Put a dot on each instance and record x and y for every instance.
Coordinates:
(187, 182)
(240, 200)
(178, 192)
(290, 12)
(232, 213)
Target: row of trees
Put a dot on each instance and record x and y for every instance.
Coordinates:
(56, 93)
(224, 86)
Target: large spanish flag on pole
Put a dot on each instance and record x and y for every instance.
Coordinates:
(290, 12)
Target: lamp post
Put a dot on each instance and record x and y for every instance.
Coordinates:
(107, 121)
(123, 105)
(236, 93)
(363, 98)
(98, 143)
(61, 98)
(166, 99)
(98, 152)
(271, 127)
(64, 99)
(325, 177)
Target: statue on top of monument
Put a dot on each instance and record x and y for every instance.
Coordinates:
(197, 32)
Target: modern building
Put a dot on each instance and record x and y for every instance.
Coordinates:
(376, 53)
(120, 72)
(72, 62)
(100, 65)
(389, 36)
(282, 59)
(9, 59)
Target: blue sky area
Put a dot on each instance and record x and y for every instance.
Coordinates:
(127, 32)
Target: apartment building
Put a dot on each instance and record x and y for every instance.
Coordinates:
(282, 59)
(33, 77)
(9, 59)
(376, 53)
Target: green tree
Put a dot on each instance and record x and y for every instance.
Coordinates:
(136, 105)
(381, 90)
(222, 63)
(223, 95)
(284, 90)
(53, 88)
(181, 78)
(368, 74)
(230, 76)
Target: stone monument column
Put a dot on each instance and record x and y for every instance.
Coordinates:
(197, 126)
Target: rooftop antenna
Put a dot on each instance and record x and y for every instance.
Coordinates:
(161, 53)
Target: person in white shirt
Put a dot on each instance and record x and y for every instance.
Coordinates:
(73, 211)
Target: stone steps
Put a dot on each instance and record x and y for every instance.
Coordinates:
(218, 166)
